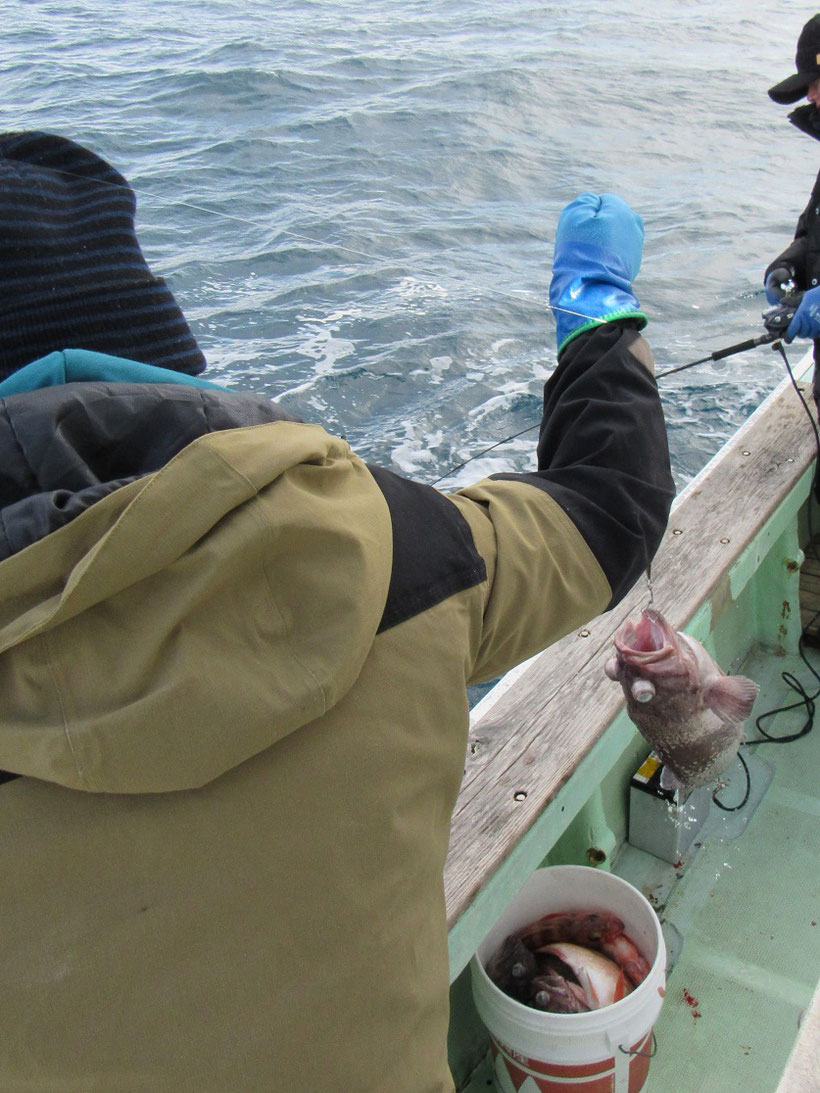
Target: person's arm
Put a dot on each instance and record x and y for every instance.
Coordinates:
(567, 541)
(790, 265)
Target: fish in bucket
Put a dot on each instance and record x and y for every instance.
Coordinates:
(605, 1044)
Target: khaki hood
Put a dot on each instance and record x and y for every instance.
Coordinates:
(195, 616)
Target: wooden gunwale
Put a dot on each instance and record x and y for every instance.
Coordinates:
(527, 741)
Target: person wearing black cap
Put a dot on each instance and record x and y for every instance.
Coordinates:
(797, 268)
(234, 660)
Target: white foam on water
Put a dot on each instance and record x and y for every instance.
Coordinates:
(412, 455)
(438, 366)
(387, 176)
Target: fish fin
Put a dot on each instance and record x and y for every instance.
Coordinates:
(731, 697)
(622, 987)
(587, 986)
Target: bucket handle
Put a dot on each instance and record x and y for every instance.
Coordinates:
(644, 1054)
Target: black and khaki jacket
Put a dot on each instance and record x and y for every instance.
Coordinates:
(233, 662)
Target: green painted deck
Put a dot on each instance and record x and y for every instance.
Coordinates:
(741, 916)
(746, 909)
(738, 910)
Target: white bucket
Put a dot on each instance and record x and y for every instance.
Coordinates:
(604, 1051)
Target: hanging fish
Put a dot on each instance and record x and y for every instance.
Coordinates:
(689, 710)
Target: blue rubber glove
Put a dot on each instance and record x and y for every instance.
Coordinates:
(780, 276)
(598, 246)
(806, 321)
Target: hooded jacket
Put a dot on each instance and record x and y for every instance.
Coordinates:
(233, 662)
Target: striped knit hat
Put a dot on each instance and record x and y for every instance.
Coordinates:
(72, 275)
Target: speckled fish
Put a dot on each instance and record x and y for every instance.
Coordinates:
(550, 991)
(582, 927)
(689, 710)
(512, 967)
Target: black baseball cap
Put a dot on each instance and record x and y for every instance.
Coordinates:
(807, 63)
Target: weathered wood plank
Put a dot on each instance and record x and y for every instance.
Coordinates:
(533, 737)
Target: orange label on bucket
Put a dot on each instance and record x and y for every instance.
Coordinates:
(518, 1073)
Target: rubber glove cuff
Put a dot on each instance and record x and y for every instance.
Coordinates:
(583, 302)
(598, 246)
(806, 321)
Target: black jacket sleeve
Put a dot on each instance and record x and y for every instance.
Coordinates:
(603, 454)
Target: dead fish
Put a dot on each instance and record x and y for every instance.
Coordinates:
(552, 992)
(531, 966)
(626, 955)
(512, 967)
(600, 978)
(582, 927)
(682, 702)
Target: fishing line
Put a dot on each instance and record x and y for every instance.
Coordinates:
(806, 701)
(298, 237)
(302, 238)
(478, 455)
(812, 422)
(519, 293)
(517, 296)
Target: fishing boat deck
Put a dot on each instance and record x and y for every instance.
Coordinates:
(741, 918)
(741, 915)
(742, 907)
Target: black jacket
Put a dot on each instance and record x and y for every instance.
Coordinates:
(803, 253)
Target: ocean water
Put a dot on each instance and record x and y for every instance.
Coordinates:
(355, 202)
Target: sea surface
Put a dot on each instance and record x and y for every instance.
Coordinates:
(355, 202)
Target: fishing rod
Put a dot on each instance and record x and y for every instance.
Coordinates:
(776, 321)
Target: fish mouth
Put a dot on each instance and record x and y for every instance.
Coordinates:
(650, 639)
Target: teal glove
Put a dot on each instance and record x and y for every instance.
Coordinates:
(598, 246)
